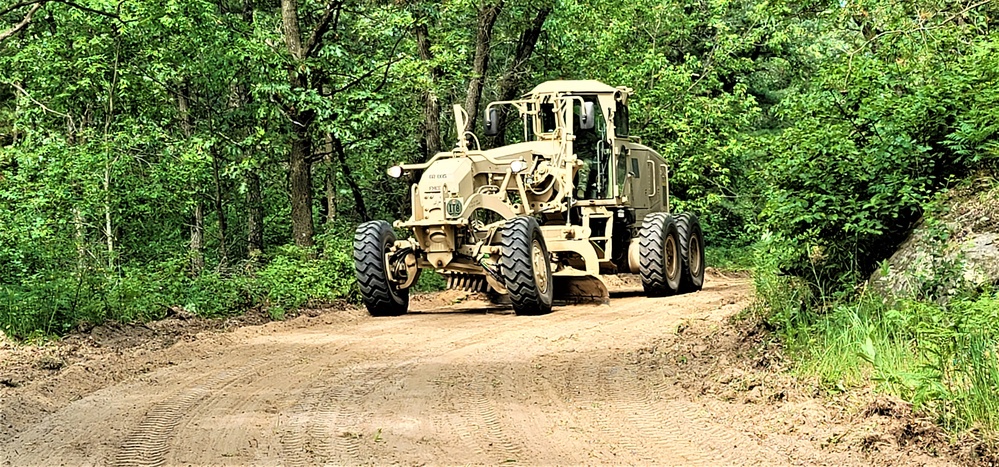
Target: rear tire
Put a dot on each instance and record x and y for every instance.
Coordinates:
(659, 264)
(691, 252)
(525, 267)
(381, 297)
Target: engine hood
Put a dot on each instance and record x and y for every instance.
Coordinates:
(523, 150)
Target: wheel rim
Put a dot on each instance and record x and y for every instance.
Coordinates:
(540, 266)
(694, 255)
(672, 263)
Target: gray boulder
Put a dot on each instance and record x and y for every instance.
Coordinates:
(954, 247)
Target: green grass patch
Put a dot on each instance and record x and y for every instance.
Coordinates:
(944, 358)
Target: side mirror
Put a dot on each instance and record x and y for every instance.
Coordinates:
(588, 118)
(492, 123)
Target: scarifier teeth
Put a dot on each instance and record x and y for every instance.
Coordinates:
(467, 282)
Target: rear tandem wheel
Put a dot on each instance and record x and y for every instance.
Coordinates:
(691, 252)
(660, 256)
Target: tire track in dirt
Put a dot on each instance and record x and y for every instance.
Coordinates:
(456, 387)
(722, 441)
(654, 426)
(236, 420)
(597, 407)
(295, 440)
(325, 424)
(468, 414)
(339, 416)
(618, 406)
(658, 425)
(312, 431)
(149, 442)
(482, 422)
(336, 412)
(500, 446)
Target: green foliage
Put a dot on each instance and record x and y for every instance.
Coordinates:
(885, 121)
(730, 258)
(430, 281)
(292, 280)
(54, 303)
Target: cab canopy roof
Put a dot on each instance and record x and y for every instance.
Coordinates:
(588, 86)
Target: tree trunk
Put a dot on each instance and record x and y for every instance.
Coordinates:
(80, 236)
(509, 85)
(197, 245)
(431, 105)
(330, 182)
(289, 22)
(302, 227)
(341, 155)
(220, 210)
(108, 226)
(480, 65)
(198, 240)
(255, 215)
(254, 198)
(300, 159)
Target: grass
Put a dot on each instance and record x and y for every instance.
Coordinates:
(943, 358)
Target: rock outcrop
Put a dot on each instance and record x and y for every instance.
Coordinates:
(954, 247)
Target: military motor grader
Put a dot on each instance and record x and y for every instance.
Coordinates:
(540, 220)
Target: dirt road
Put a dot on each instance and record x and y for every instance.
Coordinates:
(441, 385)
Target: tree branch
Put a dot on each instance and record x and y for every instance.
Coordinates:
(23, 24)
(920, 27)
(387, 65)
(330, 19)
(105, 14)
(19, 5)
(66, 116)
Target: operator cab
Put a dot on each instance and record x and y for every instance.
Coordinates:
(588, 116)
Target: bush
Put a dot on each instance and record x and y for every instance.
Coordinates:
(51, 303)
(289, 281)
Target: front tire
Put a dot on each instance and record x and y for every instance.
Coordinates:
(381, 297)
(691, 252)
(525, 267)
(659, 265)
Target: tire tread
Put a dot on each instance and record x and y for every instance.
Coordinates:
(376, 291)
(516, 267)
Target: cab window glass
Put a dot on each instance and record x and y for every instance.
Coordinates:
(547, 116)
(621, 120)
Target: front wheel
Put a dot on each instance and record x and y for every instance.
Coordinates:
(381, 297)
(525, 267)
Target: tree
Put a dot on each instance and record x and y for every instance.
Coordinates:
(488, 13)
(300, 157)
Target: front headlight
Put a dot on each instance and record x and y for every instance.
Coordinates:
(518, 166)
(395, 171)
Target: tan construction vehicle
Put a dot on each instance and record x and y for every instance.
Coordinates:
(540, 220)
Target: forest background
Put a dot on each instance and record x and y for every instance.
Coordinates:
(215, 156)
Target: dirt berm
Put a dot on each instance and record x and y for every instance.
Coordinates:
(642, 381)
